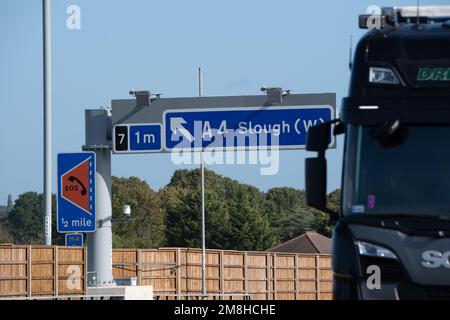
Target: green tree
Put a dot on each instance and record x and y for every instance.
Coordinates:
(238, 216)
(146, 227)
(5, 237)
(234, 215)
(182, 217)
(251, 229)
(286, 210)
(182, 204)
(334, 200)
(25, 222)
(324, 224)
(290, 215)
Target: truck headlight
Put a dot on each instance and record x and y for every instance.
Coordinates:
(383, 76)
(373, 250)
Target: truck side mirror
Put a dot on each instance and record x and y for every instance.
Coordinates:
(316, 168)
(319, 137)
(316, 182)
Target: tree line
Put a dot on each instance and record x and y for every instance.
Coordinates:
(238, 216)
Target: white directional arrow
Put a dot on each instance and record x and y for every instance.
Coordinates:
(176, 124)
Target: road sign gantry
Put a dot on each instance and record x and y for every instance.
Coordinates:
(229, 123)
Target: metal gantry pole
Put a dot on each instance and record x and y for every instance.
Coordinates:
(98, 139)
(202, 169)
(47, 66)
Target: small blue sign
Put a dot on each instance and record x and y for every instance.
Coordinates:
(145, 137)
(137, 138)
(243, 128)
(76, 192)
(74, 240)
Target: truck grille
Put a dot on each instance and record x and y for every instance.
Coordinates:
(390, 269)
(408, 291)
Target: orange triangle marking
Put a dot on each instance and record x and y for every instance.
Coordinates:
(75, 186)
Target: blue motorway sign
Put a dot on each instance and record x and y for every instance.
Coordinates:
(76, 192)
(243, 128)
(137, 138)
(74, 239)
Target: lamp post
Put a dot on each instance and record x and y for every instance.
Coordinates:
(202, 169)
(47, 44)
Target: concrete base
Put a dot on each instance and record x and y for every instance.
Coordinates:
(122, 292)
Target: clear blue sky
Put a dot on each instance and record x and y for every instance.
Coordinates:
(158, 45)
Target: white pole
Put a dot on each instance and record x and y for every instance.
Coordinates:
(46, 21)
(100, 242)
(202, 169)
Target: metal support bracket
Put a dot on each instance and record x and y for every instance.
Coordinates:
(144, 98)
(275, 94)
(96, 147)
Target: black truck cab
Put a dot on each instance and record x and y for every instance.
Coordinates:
(392, 236)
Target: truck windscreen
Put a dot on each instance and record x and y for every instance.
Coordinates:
(409, 175)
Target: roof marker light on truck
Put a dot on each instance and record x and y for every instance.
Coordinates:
(393, 17)
(424, 11)
(369, 107)
(383, 76)
(373, 250)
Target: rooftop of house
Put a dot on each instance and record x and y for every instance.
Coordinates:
(309, 242)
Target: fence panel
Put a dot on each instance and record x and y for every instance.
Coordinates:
(33, 271)
(177, 273)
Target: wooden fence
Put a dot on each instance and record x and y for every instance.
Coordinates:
(33, 271)
(265, 276)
